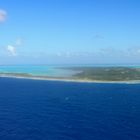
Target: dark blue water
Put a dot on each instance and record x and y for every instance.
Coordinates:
(47, 110)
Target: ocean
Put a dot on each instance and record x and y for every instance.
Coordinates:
(54, 110)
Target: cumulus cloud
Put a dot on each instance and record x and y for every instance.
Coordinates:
(12, 50)
(3, 15)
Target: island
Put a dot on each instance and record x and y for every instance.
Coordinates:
(88, 74)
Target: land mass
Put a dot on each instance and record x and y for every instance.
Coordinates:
(108, 73)
(89, 74)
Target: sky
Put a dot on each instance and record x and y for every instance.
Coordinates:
(69, 32)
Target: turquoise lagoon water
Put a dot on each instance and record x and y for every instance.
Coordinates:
(52, 71)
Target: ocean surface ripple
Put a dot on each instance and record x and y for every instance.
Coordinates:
(53, 110)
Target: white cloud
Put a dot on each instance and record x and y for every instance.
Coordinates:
(12, 50)
(59, 54)
(18, 42)
(3, 15)
(138, 50)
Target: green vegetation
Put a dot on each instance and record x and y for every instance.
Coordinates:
(108, 73)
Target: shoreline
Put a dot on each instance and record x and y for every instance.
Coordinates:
(71, 80)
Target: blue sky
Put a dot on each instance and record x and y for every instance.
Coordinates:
(69, 31)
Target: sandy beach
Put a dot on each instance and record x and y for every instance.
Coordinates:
(70, 80)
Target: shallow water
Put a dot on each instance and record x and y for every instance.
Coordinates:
(42, 70)
(49, 110)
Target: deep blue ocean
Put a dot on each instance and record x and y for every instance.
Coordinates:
(49, 110)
